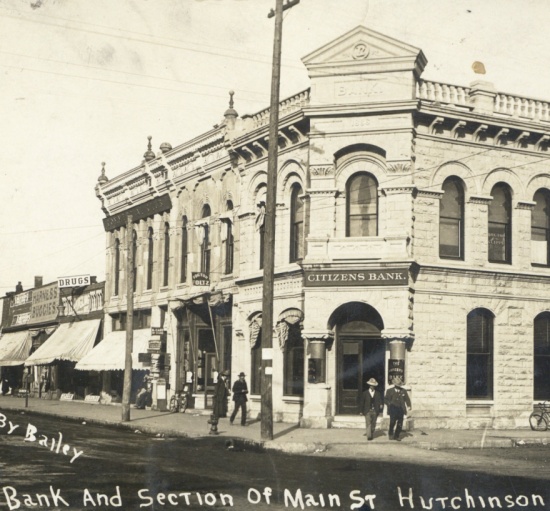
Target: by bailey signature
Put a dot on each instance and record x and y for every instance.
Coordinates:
(54, 443)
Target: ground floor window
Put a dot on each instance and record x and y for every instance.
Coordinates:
(294, 363)
(479, 371)
(542, 356)
(256, 368)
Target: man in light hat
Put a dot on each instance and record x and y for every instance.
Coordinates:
(240, 390)
(399, 404)
(371, 406)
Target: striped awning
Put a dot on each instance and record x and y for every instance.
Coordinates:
(15, 348)
(110, 353)
(71, 341)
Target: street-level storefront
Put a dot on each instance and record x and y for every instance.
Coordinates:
(55, 359)
(14, 349)
(367, 330)
(204, 344)
(108, 359)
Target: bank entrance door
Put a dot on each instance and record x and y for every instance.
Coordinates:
(359, 359)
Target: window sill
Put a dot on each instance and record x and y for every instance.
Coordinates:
(293, 399)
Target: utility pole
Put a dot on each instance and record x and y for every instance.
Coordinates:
(127, 389)
(269, 227)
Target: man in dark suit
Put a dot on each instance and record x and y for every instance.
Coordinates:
(240, 390)
(221, 393)
(399, 404)
(371, 406)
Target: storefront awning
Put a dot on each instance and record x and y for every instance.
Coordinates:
(71, 341)
(14, 348)
(110, 353)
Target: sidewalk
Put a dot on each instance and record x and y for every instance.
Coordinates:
(287, 437)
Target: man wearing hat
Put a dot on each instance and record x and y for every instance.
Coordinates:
(399, 404)
(371, 406)
(221, 393)
(240, 390)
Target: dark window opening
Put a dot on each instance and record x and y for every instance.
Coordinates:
(479, 370)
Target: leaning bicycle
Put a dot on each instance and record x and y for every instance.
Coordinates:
(180, 400)
(540, 418)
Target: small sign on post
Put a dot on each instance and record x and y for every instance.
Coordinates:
(157, 330)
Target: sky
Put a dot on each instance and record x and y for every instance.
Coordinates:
(85, 82)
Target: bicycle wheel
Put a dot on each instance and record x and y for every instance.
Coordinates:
(183, 406)
(538, 422)
(173, 404)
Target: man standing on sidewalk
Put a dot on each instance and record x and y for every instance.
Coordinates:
(399, 404)
(221, 393)
(371, 406)
(240, 390)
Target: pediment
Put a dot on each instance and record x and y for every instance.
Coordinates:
(363, 47)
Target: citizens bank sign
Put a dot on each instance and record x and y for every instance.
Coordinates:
(334, 278)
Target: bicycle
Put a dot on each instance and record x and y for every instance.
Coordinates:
(180, 400)
(540, 418)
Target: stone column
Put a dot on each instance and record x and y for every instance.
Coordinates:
(317, 412)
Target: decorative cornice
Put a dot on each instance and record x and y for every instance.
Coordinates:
(398, 168)
(434, 194)
(395, 190)
(527, 205)
(480, 199)
(321, 170)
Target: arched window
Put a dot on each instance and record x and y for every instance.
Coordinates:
(229, 242)
(150, 246)
(362, 205)
(540, 229)
(451, 220)
(184, 250)
(296, 224)
(294, 363)
(166, 266)
(134, 255)
(500, 225)
(542, 356)
(205, 247)
(116, 276)
(479, 362)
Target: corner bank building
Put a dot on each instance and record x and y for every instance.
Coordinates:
(412, 239)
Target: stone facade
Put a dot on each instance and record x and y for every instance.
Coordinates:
(368, 282)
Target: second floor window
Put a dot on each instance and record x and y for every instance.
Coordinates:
(166, 254)
(296, 224)
(500, 225)
(229, 244)
(229, 241)
(540, 229)
(184, 250)
(134, 254)
(451, 220)
(117, 267)
(150, 246)
(205, 247)
(361, 205)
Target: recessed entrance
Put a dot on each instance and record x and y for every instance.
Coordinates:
(360, 355)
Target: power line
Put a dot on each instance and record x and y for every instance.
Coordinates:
(127, 73)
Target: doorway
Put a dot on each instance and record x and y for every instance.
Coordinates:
(358, 361)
